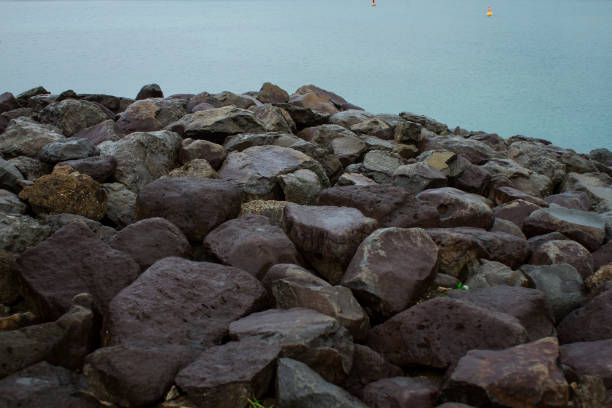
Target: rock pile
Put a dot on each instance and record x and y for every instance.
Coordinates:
(207, 250)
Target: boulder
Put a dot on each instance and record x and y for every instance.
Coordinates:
(458, 209)
(342, 142)
(562, 285)
(585, 227)
(72, 116)
(271, 209)
(23, 98)
(216, 124)
(427, 123)
(66, 191)
(446, 330)
(197, 168)
(300, 187)
(391, 268)
(599, 278)
(508, 227)
(529, 306)
(515, 211)
(368, 366)
(104, 131)
(354, 179)
(149, 115)
(10, 204)
(150, 240)
(336, 99)
(304, 117)
(504, 194)
(349, 117)
(590, 322)
(99, 168)
(143, 157)
(20, 232)
(484, 274)
(26, 137)
(58, 221)
(270, 93)
(317, 103)
(185, 303)
(305, 335)
(538, 158)
(526, 375)
(492, 139)
(243, 141)
(473, 150)
(121, 204)
(299, 386)
(150, 91)
(564, 252)
(228, 376)
(327, 236)
(113, 103)
(275, 119)
(418, 177)
(5, 118)
(401, 392)
(67, 149)
(372, 126)
(380, 165)
(603, 256)
(8, 102)
(30, 168)
(10, 176)
(577, 200)
(251, 243)
(227, 98)
(588, 358)
(75, 255)
(595, 185)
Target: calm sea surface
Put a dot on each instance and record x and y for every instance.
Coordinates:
(538, 68)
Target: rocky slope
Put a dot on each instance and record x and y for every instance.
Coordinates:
(201, 250)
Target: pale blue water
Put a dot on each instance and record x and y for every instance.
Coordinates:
(538, 68)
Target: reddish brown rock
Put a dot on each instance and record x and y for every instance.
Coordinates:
(103, 131)
(391, 269)
(438, 332)
(591, 322)
(564, 251)
(334, 98)
(72, 116)
(515, 211)
(523, 376)
(400, 392)
(177, 301)
(417, 177)
(150, 91)
(73, 261)
(311, 100)
(8, 102)
(202, 149)
(270, 93)
(505, 194)
(588, 358)
(148, 115)
(342, 142)
(98, 168)
(251, 243)
(507, 227)
(368, 366)
(196, 206)
(458, 209)
(603, 256)
(571, 199)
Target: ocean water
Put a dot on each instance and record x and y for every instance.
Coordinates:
(537, 68)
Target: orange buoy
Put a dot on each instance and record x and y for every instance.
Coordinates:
(489, 12)
(373, 3)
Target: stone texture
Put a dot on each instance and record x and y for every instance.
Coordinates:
(342, 142)
(301, 187)
(197, 168)
(270, 93)
(98, 168)
(401, 392)
(10, 176)
(20, 232)
(143, 157)
(67, 149)
(426, 122)
(522, 376)
(475, 151)
(202, 149)
(507, 227)
(418, 177)
(515, 211)
(72, 261)
(176, 199)
(299, 386)
(577, 200)
(305, 335)
(149, 115)
(66, 191)
(590, 322)
(251, 243)
(58, 221)
(564, 252)
(26, 137)
(10, 204)
(8, 102)
(72, 116)
(373, 126)
(315, 102)
(458, 209)
(368, 366)
(327, 236)
(484, 274)
(446, 330)
(562, 285)
(349, 117)
(274, 119)
(271, 209)
(121, 204)
(603, 256)
(391, 268)
(227, 376)
(150, 240)
(185, 303)
(30, 168)
(588, 358)
(595, 185)
(150, 91)
(505, 194)
(102, 132)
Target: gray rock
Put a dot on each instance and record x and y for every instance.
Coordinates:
(102, 132)
(515, 211)
(243, 141)
(275, 119)
(26, 137)
(571, 199)
(72, 116)
(20, 232)
(588, 358)
(354, 179)
(473, 150)
(10, 203)
(564, 252)
(197, 168)
(380, 165)
(491, 273)
(148, 115)
(507, 227)
(301, 187)
(10, 176)
(428, 123)
(121, 204)
(345, 145)
(150, 91)
(401, 391)
(457, 209)
(590, 322)
(202, 149)
(538, 158)
(368, 366)
(349, 117)
(418, 177)
(98, 168)
(373, 126)
(68, 149)
(595, 185)
(58, 221)
(8, 102)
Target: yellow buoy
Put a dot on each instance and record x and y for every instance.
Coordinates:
(489, 12)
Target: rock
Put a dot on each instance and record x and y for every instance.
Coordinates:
(67, 149)
(216, 124)
(275, 119)
(251, 243)
(564, 252)
(585, 227)
(491, 273)
(304, 117)
(72, 116)
(175, 198)
(197, 168)
(529, 306)
(293, 286)
(317, 103)
(270, 93)
(92, 267)
(23, 97)
(515, 211)
(342, 142)
(589, 391)
(391, 268)
(148, 115)
(401, 391)
(185, 303)
(243, 141)
(58, 221)
(130, 376)
(143, 157)
(392, 206)
(66, 191)
(98, 168)
(300, 187)
(368, 366)
(305, 335)
(603, 256)
(418, 177)
(380, 165)
(25, 137)
(355, 179)
(227, 98)
(150, 240)
(150, 91)
(604, 156)
(20, 232)
(457, 209)
(508, 227)
(595, 185)
(5, 118)
(588, 323)
(10, 290)
(327, 236)
(257, 170)
(337, 100)
(371, 126)
(408, 132)
(202, 149)
(46, 386)
(121, 204)
(427, 123)
(505, 194)
(538, 158)
(577, 200)
(492, 139)
(8, 102)
(588, 358)
(524, 375)
(10, 204)
(446, 330)
(299, 386)
(10, 176)
(562, 285)
(599, 278)
(271, 209)
(113, 103)
(471, 179)
(374, 143)
(30, 168)
(349, 117)
(473, 150)
(102, 132)
(227, 376)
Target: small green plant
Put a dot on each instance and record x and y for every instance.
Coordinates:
(462, 286)
(253, 403)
